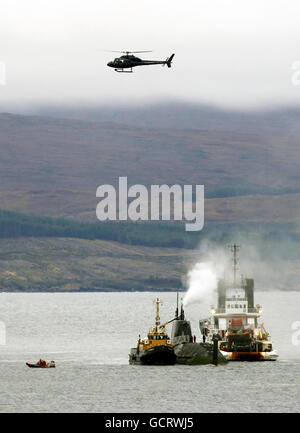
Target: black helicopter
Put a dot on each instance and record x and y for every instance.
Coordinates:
(129, 61)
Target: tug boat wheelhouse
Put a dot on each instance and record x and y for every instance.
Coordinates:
(234, 323)
(157, 348)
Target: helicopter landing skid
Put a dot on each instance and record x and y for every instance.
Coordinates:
(124, 72)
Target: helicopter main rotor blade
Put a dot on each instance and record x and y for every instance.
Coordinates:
(148, 51)
(128, 52)
(112, 51)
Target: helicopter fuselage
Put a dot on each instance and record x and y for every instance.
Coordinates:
(129, 62)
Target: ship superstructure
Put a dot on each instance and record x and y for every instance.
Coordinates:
(235, 321)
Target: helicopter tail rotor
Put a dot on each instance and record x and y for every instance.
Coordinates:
(169, 60)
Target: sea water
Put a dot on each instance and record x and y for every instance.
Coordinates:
(89, 335)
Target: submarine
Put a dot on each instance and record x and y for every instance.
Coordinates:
(186, 349)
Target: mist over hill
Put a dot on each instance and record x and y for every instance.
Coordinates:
(182, 115)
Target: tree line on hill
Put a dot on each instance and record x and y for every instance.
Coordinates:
(152, 234)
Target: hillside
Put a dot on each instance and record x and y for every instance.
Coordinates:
(53, 166)
(60, 264)
(42, 264)
(49, 166)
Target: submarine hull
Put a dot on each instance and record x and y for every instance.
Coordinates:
(187, 351)
(196, 354)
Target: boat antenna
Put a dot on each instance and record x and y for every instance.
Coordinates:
(157, 318)
(177, 311)
(182, 311)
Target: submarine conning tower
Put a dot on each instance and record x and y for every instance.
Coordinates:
(181, 329)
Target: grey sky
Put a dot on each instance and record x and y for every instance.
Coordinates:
(228, 52)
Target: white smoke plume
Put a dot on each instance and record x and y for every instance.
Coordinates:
(202, 282)
(202, 279)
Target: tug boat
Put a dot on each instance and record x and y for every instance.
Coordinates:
(41, 364)
(156, 348)
(235, 322)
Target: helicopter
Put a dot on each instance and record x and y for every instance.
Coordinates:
(129, 61)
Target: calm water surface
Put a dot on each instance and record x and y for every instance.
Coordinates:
(89, 336)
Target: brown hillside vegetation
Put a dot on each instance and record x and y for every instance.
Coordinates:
(77, 264)
(58, 264)
(53, 166)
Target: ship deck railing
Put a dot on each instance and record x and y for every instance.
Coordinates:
(236, 298)
(249, 310)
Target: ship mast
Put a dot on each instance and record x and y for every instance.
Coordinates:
(234, 249)
(157, 318)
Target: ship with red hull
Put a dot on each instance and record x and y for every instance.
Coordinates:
(235, 322)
